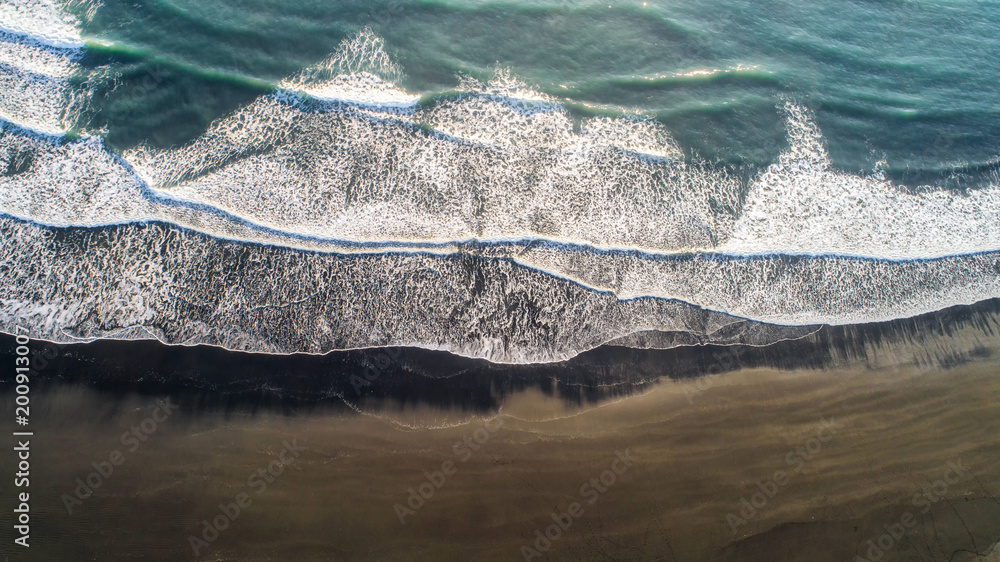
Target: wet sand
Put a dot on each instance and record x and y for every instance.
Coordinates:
(872, 442)
(697, 448)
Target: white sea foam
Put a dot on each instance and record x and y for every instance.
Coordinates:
(360, 72)
(69, 183)
(502, 161)
(184, 288)
(29, 57)
(394, 194)
(801, 204)
(41, 21)
(387, 180)
(39, 50)
(497, 162)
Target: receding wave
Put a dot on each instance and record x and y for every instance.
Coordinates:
(39, 51)
(342, 212)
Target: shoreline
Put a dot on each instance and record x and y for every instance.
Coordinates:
(351, 379)
(697, 458)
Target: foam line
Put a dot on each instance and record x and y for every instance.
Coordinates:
(39, 51)
(43, 21)
(340, 212)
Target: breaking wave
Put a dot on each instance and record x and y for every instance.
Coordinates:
(39, 52)
(341, 211)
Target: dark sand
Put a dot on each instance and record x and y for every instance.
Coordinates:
(694, 463)
(700, 446)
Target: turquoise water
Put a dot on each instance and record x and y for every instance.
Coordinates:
(910, 83)
(439, 211)
(511, 181)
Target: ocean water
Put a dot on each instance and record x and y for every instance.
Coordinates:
(515, 181)
(696, 234)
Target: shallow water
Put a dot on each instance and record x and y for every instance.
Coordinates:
(831, 456)
(281, 201)
(482, 280)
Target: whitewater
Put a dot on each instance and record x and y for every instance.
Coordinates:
(340, 211)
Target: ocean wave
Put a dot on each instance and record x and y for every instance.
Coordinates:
(39, 52)
(342, 212)
(151, 281)
(41, 22)
(182, 287)
(502, 161)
